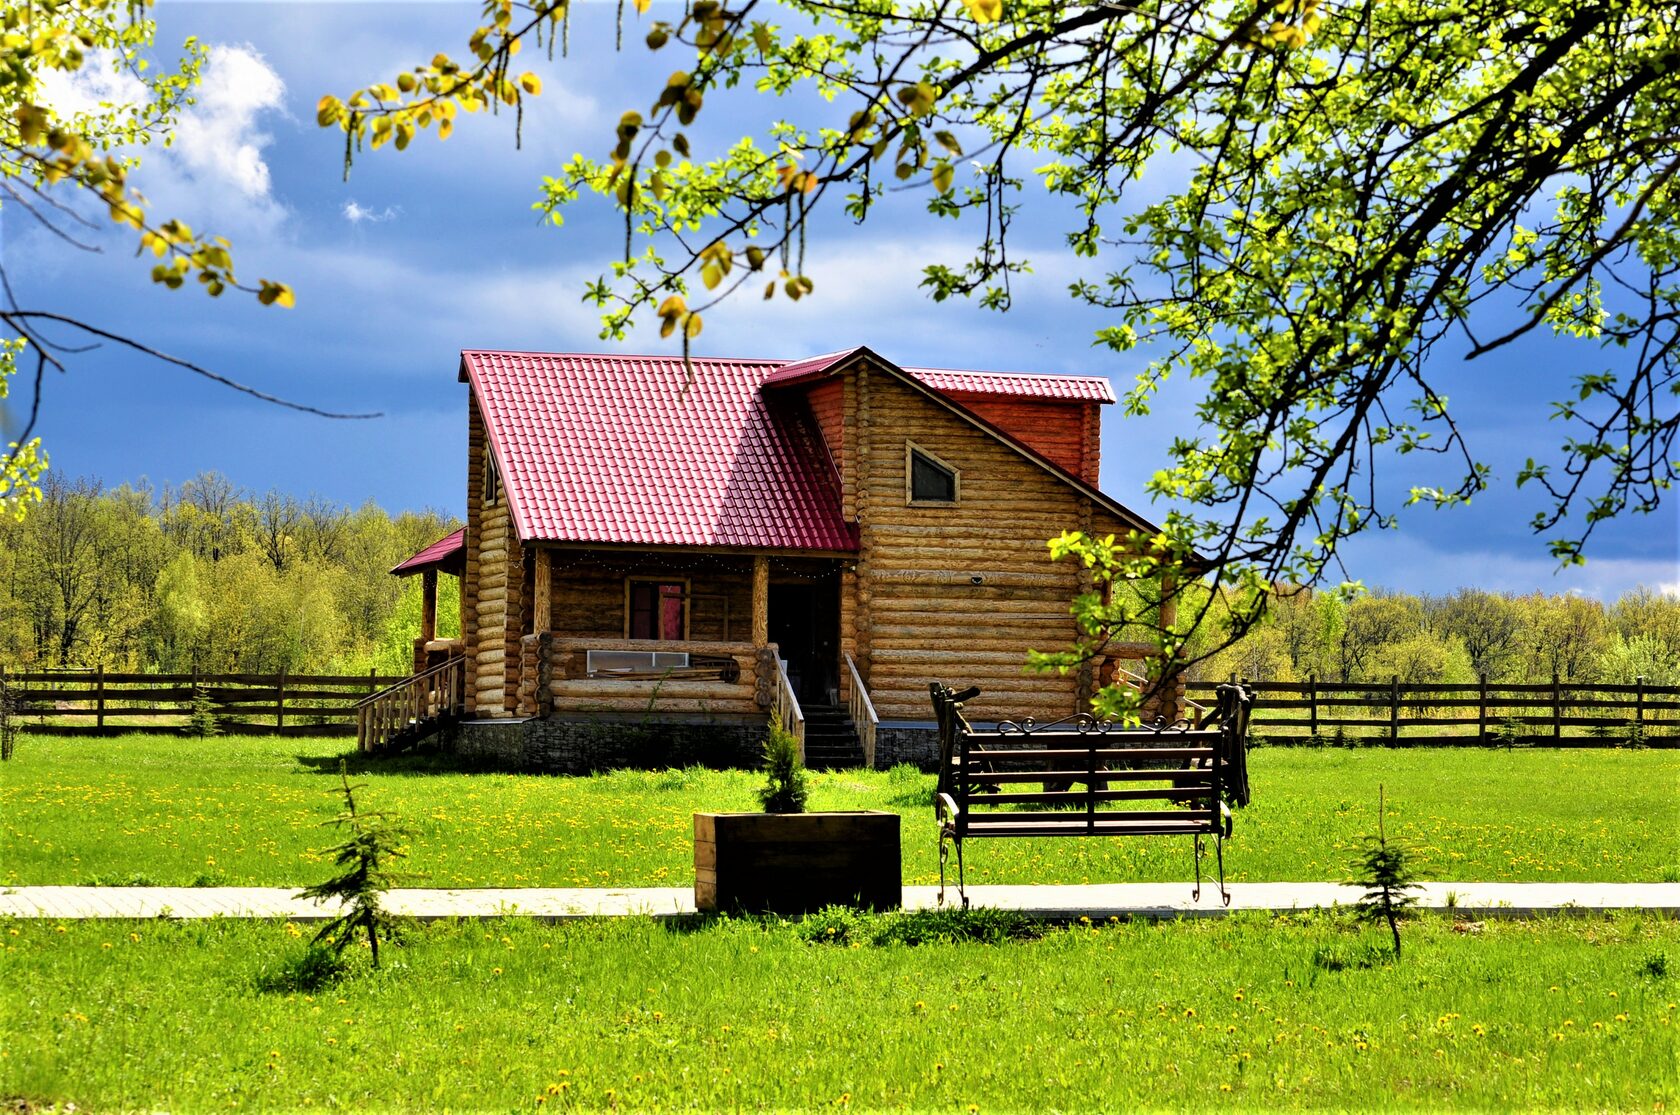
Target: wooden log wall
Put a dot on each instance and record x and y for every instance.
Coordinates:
(471, 542)
(956, 594)
(587, 593)
(570, 689)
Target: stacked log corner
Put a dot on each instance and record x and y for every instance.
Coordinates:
(796, 863)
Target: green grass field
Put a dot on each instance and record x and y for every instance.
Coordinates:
(1249, 1012)
(247, 811)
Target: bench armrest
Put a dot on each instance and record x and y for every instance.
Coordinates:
(945, 807)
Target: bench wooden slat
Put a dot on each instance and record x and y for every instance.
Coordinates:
(1100, 827)
(1101, 754)
(1160, 774)
(1080, 797)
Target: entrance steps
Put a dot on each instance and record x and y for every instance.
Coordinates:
(831, 741)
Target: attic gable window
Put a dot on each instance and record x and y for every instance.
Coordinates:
(929, 480)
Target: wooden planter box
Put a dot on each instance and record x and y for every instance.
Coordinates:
(792, 863)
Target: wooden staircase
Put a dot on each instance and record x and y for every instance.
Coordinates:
(403, 714)
(831, 739)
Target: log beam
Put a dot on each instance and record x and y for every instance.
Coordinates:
(542, 590)
(761, 601)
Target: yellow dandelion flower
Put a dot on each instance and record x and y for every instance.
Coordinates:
(495, 971)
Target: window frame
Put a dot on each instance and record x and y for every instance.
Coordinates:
(911, 449)
(687, 600)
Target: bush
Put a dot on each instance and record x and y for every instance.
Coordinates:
(785, 788)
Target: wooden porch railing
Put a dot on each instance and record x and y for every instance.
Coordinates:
(411, 703)
(786, 705)
(862, 712)
(1193, 712)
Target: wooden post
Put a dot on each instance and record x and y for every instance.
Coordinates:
(1557, 709)
(1312, 705)
(428, 605)
(1169, 603)
(99, 696)
(1639, 707)
(542, 590)
(761, 601)
(1394, 709)
(280, 699)
(1481, 711)
(373, 672)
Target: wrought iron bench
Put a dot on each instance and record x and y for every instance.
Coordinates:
(1150, 780)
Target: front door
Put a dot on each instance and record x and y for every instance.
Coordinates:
(805, 625)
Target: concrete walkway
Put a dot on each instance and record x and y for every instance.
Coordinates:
(1099, 902)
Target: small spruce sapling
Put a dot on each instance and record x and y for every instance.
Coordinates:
(203, 722)
(785, 789)
(365, 880)
(1385, 872)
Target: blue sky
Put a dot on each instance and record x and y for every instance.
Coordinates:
(423, 253)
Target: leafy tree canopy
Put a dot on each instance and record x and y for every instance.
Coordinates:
(71, 170)
(1364, 181)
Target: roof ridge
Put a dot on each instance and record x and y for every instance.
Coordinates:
(778, 361)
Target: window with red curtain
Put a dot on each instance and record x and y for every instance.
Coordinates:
(657, 609)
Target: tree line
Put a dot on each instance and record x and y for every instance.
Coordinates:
(210, 577)
(1455, 638)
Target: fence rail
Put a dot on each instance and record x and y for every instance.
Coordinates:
(1482, 713)
(95, 702)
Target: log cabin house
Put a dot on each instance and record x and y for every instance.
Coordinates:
(655, 561)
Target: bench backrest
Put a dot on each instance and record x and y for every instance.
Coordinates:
(1092, 777)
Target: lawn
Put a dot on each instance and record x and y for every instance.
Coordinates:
(238, 811)
(1284, 1013)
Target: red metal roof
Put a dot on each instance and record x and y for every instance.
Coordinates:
(1024, 385)
(447, 553)
(632, 450)
(1088, 389)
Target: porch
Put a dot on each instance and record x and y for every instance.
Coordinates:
(682, 637)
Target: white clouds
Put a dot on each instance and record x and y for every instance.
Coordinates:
(356, 213)
(218, 141)
(96, 89)
(216, 169)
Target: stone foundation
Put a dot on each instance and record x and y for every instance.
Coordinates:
(555, 745)
(913, 743)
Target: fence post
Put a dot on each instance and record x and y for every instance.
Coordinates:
(1639, 706)
(1312, 706)
(1557, 709)
(99, 698)
(1481, 711)
(280, 699)
(373, 672)
(1394, 709)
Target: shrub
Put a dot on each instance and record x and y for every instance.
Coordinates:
(785, 788)
(947, 926)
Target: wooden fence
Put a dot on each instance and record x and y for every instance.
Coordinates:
(1483, 713)
(94, 702)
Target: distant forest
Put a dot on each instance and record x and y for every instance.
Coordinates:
(210, 577)
(1456, 638)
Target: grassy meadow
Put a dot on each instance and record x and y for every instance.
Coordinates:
(248, 811)
(1248, 1012)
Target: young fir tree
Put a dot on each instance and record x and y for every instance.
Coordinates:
(1385, 871)
(785, 789)
(371, 844)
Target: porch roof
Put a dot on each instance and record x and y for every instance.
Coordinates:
(448, 554)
